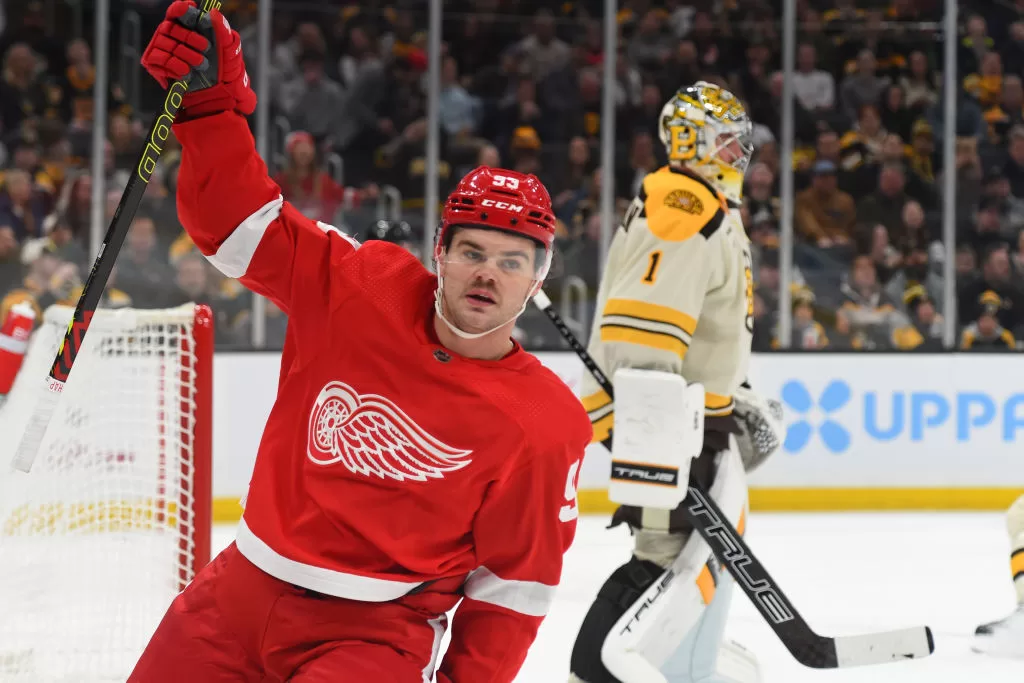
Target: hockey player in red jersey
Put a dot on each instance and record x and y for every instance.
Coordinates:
(415, 456)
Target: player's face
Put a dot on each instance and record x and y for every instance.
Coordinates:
(729, 149)
(487, 277)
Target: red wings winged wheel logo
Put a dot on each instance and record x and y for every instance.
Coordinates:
(372, 436)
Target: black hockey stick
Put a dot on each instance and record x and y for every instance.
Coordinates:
(92, 292)
(806, 646)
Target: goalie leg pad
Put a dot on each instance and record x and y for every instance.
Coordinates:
(642, 622)
(705, 656)
(1015, 527)
(618, 594)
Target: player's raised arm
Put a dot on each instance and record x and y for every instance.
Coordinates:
(226, 201)
(526, 524)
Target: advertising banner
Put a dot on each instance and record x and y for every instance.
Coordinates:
(862, 431)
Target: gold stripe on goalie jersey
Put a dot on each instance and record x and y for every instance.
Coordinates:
(1017, 563)
(640, 322)
(599, 408)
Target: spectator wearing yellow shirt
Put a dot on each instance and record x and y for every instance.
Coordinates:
(985, 333)
(924, 333)
(1008, 112)
(986, 86)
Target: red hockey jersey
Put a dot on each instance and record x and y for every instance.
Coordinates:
(387, 461)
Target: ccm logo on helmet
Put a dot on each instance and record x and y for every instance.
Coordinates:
(502, 205)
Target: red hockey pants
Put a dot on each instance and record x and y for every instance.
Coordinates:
(236, 623)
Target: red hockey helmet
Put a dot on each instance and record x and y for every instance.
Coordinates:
(500, 200)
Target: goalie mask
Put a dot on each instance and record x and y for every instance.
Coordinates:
(706, 129)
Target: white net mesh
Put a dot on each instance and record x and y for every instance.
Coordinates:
(98, 538)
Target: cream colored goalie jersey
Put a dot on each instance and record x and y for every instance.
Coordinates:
(677, 294)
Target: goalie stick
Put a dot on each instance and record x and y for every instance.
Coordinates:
(69, 347)
(806, 646)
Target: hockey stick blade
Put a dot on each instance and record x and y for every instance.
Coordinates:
(92, 292)
(806, 646)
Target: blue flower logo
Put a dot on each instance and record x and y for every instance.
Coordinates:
(833, 398)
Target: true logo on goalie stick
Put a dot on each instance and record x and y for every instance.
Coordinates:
(771, 604)
(372, 436)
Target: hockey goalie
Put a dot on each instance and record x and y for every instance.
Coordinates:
(673, 332)
(1005, 638)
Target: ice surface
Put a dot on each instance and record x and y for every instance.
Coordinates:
(846, 573)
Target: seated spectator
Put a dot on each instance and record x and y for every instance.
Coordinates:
(23, 92)
(807, 333)
(996, 187)
(825, 215)
(10, 261)
(573, 175)
(897, 119)
(1013, 51)
(312, 100)
(21, 208)
(924, 333)
(986, 86)
(642, 161)
(895, 152)
(48, 280)
(987, 229)
(525, 150)
(974, 45)
(986, 333)
(813, 87)
(885, 205)
(863, 87)
(78, 84)
(886, 258)
(997, 278)
(144, 272)
(1013, 168)
(310, 188)
(842, 336)
(459, 112)
(863, 143)
(920, 84)
(1007, 113)
(759, 192)
(542, 50)
(870, 310)
(922, 150)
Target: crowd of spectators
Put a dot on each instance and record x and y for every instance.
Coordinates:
(521, 85)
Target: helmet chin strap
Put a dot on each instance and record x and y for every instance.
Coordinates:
(439, 308)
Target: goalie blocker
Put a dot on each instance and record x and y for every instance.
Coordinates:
(659, 430)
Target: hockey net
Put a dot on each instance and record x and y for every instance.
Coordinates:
(114, 518)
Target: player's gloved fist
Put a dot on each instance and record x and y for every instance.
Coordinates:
(208, 51)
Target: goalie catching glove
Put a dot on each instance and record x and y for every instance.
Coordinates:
(761, 429)
(208, 49)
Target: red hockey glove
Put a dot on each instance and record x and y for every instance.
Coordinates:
(180, 47)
